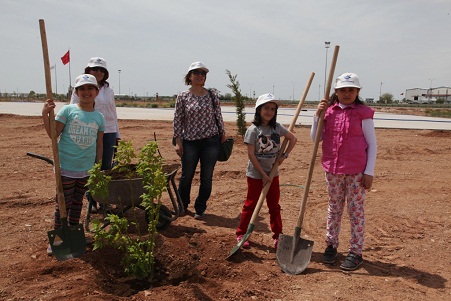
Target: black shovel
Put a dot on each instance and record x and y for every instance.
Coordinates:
(273, 171)
(68, 241)
(293, 252)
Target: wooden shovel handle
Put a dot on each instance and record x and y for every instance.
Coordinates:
(48, 89)
(293, 121)
(319, 132)
(282, 150)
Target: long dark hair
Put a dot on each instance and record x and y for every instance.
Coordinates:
(258, 119)
(334, 98)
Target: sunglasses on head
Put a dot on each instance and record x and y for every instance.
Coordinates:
(199, 72)
(98, 69)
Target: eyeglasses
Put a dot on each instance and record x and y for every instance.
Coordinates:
(199, 72)
(95, 69)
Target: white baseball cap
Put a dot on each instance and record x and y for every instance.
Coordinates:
(198, 65)
(97, 62)
(268, 97)
(347, 80)
(85, 79)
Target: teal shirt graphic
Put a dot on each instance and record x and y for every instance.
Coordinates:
(77, 144)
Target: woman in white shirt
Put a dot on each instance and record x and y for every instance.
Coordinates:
(105, 104)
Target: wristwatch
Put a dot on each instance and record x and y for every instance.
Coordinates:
(285, 155)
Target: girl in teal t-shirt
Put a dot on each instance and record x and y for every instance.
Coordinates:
(80, 130)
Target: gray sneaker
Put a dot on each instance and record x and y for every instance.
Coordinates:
(352, 262)
(199, 216)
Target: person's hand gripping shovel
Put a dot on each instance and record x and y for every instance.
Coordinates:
(68, 241)
(293, 252)
(265, 189)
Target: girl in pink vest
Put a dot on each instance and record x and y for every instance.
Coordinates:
(348, 159)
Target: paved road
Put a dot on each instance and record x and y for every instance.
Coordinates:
(285, 116)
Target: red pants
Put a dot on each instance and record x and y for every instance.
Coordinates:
(254, 189)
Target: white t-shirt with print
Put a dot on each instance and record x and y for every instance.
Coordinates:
(266, 140)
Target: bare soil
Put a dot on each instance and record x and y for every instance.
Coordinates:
(408, 229)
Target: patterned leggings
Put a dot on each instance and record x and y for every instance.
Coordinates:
(74, 191)
(341, 188)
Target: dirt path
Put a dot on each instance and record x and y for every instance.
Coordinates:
(408, 229)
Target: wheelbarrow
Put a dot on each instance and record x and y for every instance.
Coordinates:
(125, 194)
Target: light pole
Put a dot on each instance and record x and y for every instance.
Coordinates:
(430, 87)
(293, 90)
(119, 71)
(273, 89)
(56, 80)
(327, 45)
(380, 92)
(250, 90)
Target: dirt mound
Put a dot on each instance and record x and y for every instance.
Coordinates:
(407, 247)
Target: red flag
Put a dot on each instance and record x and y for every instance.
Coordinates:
(66, 58)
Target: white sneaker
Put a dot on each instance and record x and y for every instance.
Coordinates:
(49, 250)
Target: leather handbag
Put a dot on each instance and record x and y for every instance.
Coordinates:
(226, 150)
(226, 146)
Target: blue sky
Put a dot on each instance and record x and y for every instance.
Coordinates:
(272, 46)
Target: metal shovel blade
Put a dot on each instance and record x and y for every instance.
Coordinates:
(242, 241)
(293, 253)
(67, 242)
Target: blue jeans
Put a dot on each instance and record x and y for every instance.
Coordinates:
(206, 151)
(109, 142)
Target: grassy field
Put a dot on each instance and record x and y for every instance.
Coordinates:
(443, 113)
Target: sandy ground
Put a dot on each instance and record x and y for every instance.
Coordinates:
(408, 228)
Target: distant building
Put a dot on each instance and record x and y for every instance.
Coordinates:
(420, 95)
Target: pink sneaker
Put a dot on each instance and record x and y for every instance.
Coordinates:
(246, 244)
(276, 242)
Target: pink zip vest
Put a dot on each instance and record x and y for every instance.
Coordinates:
(344, 146)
